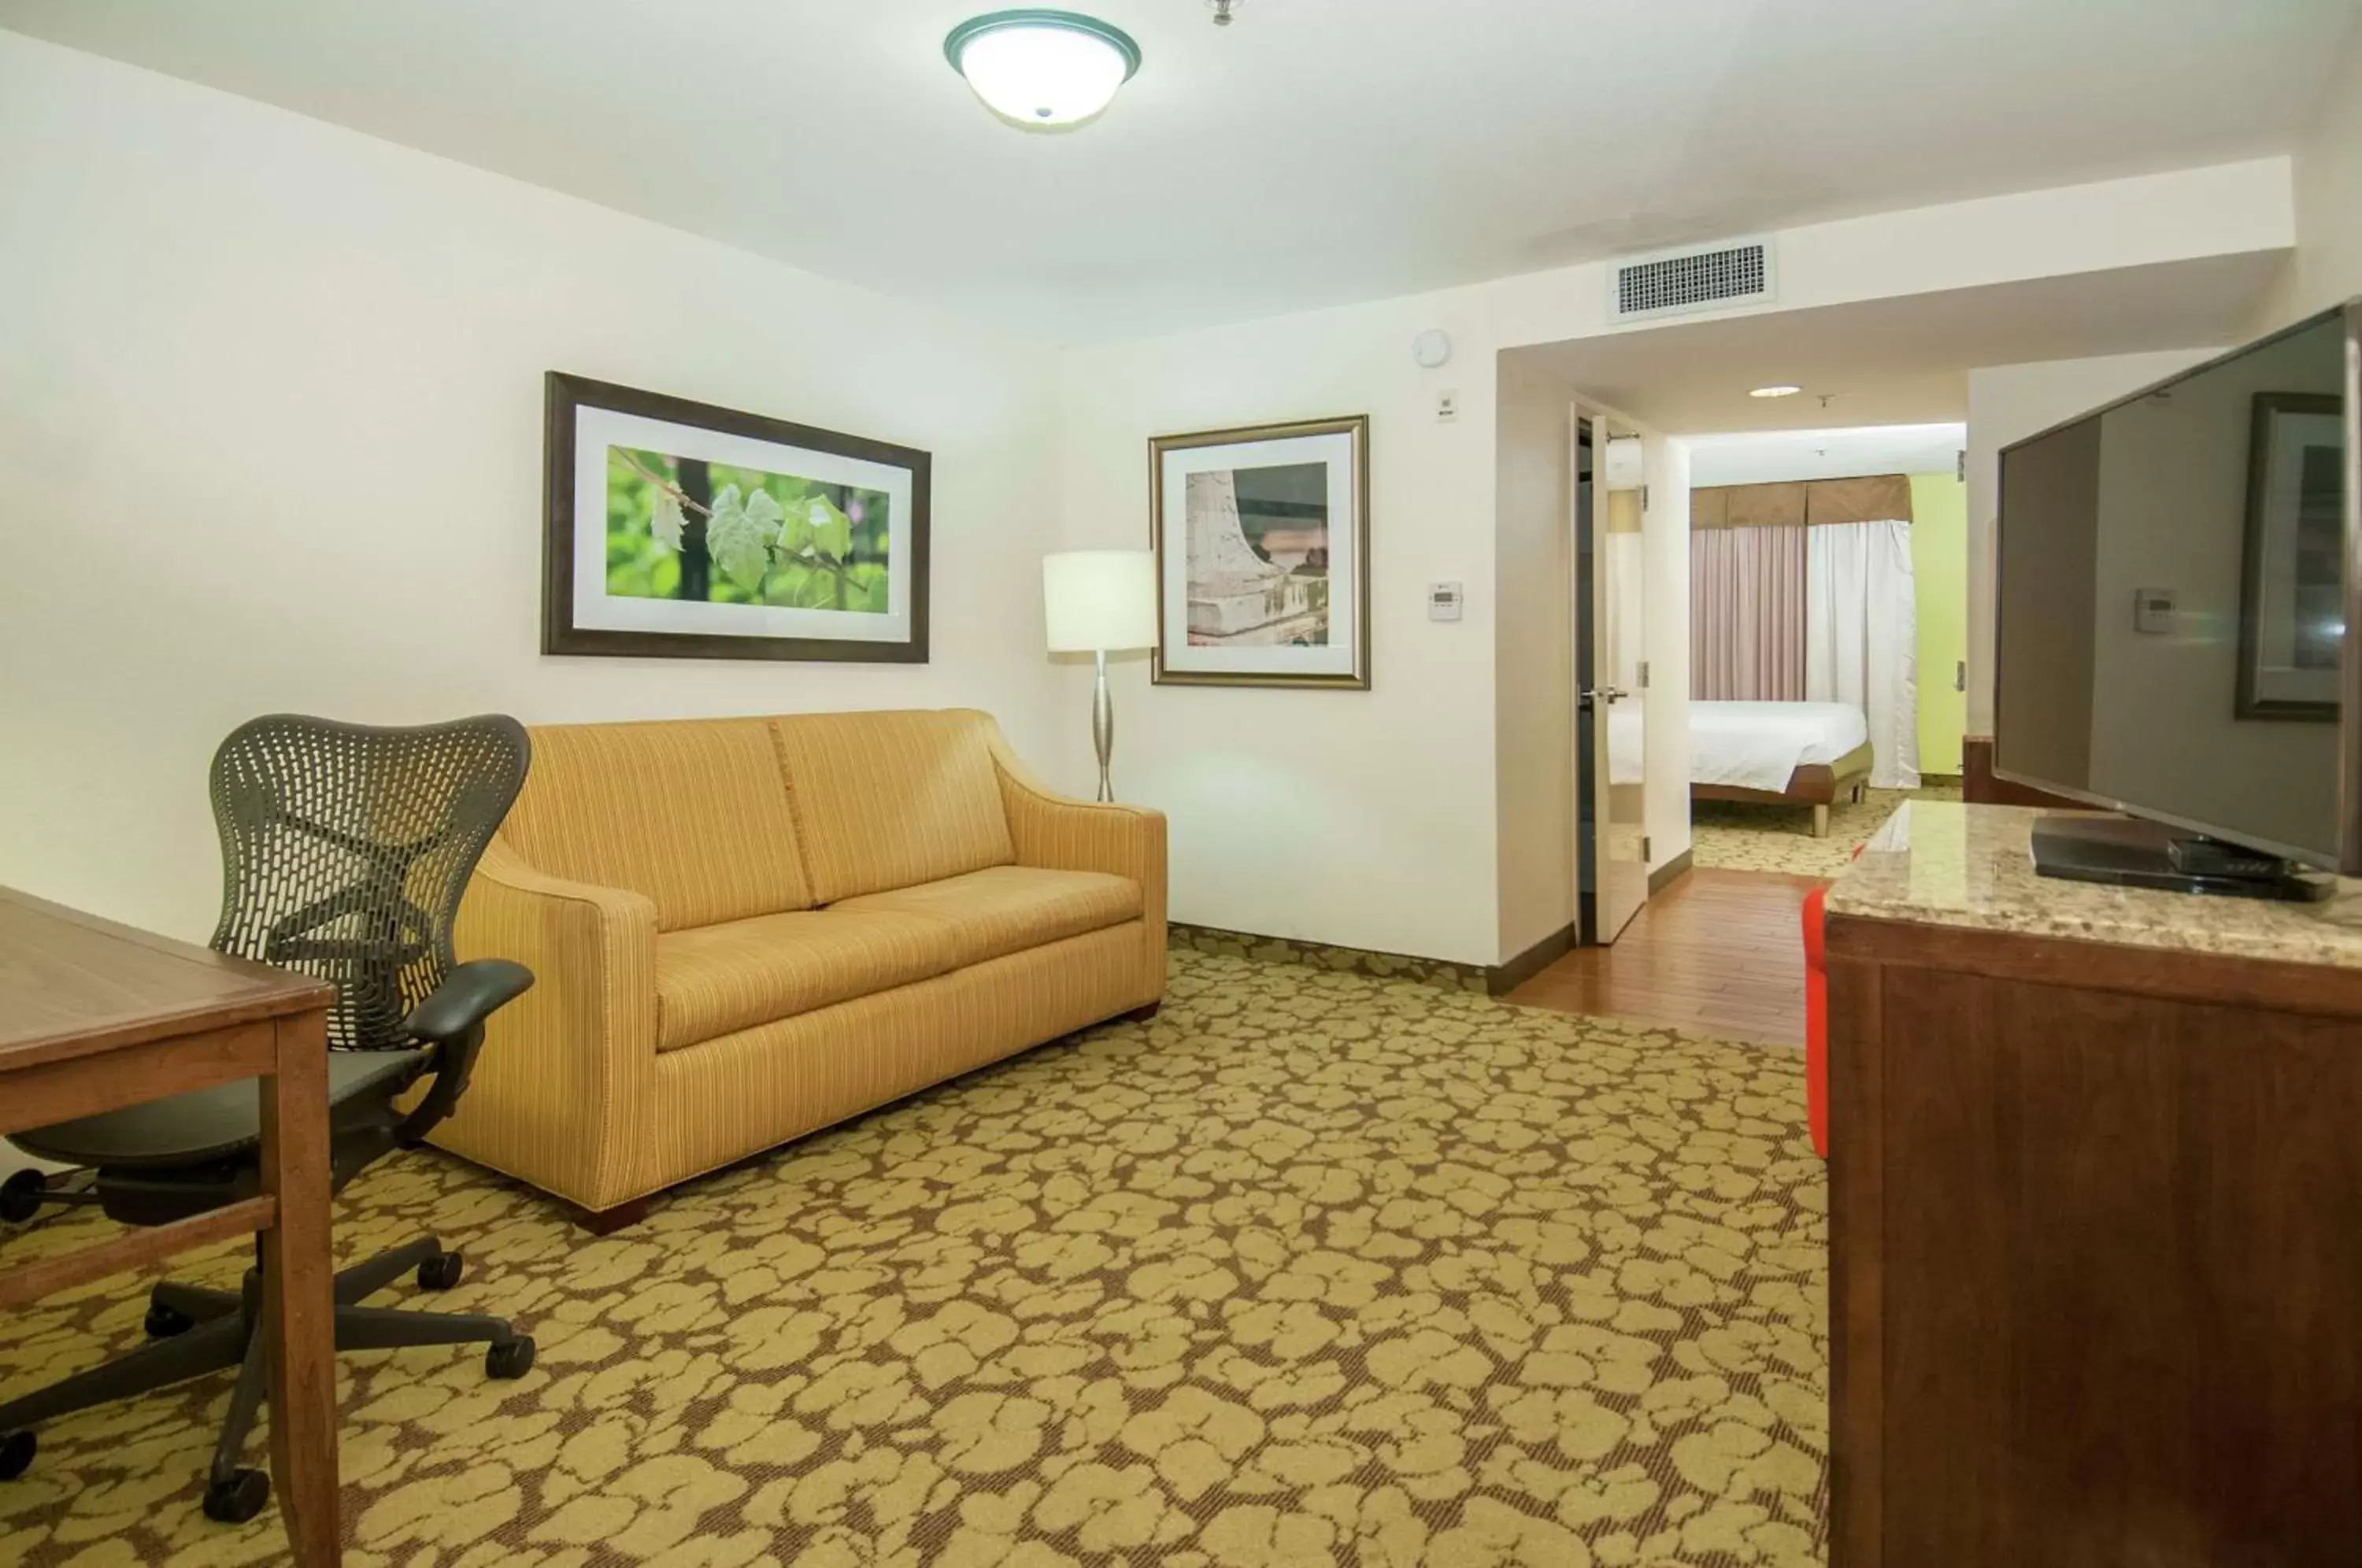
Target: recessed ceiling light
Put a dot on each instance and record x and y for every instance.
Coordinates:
(1775, 392)
(1042, 70)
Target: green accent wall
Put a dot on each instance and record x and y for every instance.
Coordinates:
(1939, 565)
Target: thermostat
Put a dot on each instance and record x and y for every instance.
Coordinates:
(2154, 608)
(1443, 601)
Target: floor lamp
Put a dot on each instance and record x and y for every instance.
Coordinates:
(1099, 603)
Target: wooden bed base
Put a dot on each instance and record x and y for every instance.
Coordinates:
(1815, 784)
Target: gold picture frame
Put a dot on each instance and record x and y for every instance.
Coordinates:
(1281, 594)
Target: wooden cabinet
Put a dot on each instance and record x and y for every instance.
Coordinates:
(2096, 1233)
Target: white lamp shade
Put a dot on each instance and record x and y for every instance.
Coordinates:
(1101, 600)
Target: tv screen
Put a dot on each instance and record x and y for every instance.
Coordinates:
(2172, 599)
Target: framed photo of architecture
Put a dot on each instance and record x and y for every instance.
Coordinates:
(2292, 614)
(679, 530)
(1263, 547)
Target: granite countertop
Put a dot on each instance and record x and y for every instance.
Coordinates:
(1943, 863)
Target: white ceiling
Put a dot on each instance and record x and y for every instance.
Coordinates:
(1318, 151)
(1906, 360)
(1762, 457)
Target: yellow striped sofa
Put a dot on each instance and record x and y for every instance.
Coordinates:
(748, 929)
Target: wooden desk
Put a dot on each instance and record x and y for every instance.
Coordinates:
(2095, 1215)
(94, 1016)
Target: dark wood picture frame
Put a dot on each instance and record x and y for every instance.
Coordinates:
(2250, 704)
(565, 394)
(1357, 426)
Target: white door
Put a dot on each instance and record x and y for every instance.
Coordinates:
(1609, 589)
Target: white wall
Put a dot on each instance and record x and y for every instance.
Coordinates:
(2222, 210)
(271, 437)
(2327, 177)
(2007, 404)
(1361, 818)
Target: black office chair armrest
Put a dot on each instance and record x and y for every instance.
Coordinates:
(452, 1020)
(469, 994)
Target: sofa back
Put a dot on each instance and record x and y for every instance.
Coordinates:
(719, 820)
(691, 813)
(890, 800)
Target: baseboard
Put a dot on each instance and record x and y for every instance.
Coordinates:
(1941, 780)
(1671, 872)
(1500, 979)
(1449, 974)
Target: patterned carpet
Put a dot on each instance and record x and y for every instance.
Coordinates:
(1740, 836)
(1313, 1269)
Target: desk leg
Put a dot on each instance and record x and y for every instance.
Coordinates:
(298, 1307)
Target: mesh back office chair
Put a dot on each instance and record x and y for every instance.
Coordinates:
(345, 851)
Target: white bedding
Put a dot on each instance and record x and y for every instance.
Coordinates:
(1756, 746)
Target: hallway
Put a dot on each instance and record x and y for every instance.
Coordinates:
(1720, 951)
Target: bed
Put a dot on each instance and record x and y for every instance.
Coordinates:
(1803, 754)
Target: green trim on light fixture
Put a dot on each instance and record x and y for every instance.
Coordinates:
(959, 37)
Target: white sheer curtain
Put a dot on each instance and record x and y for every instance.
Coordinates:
(1862, 637)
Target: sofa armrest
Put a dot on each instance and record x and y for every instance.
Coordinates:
(1058, 833)
(561, 1093)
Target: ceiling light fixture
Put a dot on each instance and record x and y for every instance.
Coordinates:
(1775, 392)
(1042, 70)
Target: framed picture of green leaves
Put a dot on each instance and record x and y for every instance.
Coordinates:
(679, 530)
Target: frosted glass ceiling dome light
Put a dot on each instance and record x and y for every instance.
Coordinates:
(1042, 70)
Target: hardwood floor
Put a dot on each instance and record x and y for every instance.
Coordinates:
(1719, 951)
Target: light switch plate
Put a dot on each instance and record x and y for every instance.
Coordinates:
(1443, 601)
(1447, 405)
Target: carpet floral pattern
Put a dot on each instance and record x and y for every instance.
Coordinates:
(1740, 836)
(1314, 1268)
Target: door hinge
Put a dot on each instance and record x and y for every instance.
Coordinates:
(1644, 498)
(1646, 855)
(1961, 676)
(1644, 675)
(1960, 465)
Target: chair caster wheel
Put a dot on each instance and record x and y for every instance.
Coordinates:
(16, 1453)
(237, 1497)
(441, 1272)
(21, 1196)
(510, 1359)
(165, 1322)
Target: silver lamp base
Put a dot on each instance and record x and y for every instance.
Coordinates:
(1103, 726)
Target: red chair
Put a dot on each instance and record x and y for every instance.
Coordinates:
(1817, 1022)
(1816, 1016)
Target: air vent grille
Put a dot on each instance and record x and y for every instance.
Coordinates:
(1694, 279)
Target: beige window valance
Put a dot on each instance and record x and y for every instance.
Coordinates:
(1802, 503)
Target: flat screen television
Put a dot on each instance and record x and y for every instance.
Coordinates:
(2176, 583)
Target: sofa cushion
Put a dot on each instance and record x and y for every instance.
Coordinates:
(892, 799)
(719, 979)
(693, 814)
(1007, 909)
